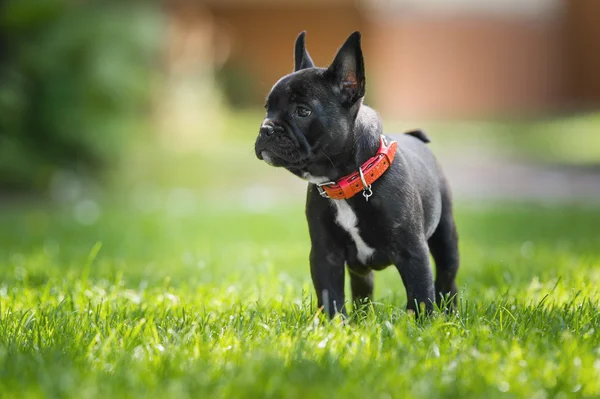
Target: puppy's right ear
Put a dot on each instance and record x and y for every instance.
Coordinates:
(301, 58)
(348, 71)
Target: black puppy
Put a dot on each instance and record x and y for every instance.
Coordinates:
(371, 201)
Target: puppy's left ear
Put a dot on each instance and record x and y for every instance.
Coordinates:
(301, 58)
(348, 71)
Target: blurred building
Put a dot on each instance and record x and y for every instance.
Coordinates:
(424, 58)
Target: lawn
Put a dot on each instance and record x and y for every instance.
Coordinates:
(206, 292)
(218, 303)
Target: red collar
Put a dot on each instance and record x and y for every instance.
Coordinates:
(361, 180)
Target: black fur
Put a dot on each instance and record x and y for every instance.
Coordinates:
(317, 126)
(420, 135)
(301, 58)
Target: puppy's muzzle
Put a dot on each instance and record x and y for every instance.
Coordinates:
(269, 128)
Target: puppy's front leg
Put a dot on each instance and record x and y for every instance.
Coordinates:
(414, 266)
(327, 271)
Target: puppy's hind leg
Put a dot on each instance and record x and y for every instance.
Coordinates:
(362, 288)
(443, 246)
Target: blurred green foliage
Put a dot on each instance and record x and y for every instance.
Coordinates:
(239, 86)
(74, 79)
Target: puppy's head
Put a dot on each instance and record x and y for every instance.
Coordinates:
(311, 112)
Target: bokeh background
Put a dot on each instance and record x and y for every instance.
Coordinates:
(130, 125)
(135, 98)
(147, 111)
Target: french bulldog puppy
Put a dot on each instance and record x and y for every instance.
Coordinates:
(372, 200)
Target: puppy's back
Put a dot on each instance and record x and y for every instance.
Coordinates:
(413, 145)
(425, 177)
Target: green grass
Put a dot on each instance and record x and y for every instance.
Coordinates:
(217, 302)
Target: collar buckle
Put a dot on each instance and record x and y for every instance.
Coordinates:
(322, 192)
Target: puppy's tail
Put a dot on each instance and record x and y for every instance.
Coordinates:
(420, 135)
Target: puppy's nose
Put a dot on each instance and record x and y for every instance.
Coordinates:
(267, 130)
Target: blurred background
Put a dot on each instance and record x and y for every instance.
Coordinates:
(139, 96)
(157, 104)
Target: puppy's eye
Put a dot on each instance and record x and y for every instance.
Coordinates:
(303, 112)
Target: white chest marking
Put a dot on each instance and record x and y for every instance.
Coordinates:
(346, 219)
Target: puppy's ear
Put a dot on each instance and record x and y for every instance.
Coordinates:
(348, 71)
(301, 58)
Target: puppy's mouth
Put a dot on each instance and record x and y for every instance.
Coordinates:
(274, 156)
(267, 156)
(274, 159)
